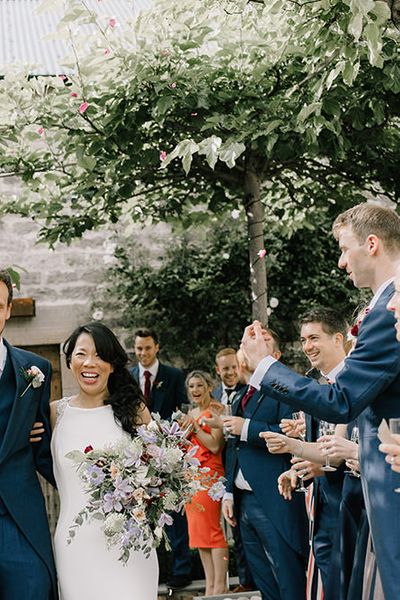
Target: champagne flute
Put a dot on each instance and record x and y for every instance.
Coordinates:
(326, 428)
(394, 426)
(227, 412)
(354, 438)
(299, 416)
(300, 487)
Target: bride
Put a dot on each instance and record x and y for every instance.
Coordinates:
(107, 407)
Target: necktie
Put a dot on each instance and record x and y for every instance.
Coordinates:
(229, 392)
(147, 385)
(250, 392)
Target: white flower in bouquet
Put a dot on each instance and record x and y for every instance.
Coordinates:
(114, 524)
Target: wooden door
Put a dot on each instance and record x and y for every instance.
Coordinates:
(52, 353)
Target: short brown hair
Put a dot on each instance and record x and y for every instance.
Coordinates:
(6, 279)
(276, 338)
(330, 320)
(366, 219)
(225, 352)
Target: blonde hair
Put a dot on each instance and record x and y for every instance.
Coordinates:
(366, 219)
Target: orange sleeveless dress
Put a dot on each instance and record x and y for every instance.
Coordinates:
(204, 514)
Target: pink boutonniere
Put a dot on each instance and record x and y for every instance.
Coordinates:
(33, 376)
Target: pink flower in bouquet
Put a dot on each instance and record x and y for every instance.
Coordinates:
(83, 107)
(112, 22)
(163, 155)
(262, 253)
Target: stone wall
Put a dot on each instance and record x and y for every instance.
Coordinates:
(63, 282)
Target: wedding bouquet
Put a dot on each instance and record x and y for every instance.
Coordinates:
(134, 485)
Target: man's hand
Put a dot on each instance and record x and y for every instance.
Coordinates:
(227, 511)
(254, 346)
(306, 468)
(287, 482)
(393, 455)
(277, 443)
(35, 434)
(353, 465)
(233, 425)
(215, 421)
(338, 448)
(295, 428)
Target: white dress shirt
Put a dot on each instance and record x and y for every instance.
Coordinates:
(3, 356)
(153, 369)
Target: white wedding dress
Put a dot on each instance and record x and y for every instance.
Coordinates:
(86, 568)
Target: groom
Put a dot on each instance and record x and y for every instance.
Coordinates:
(368, 387)
(26, 561)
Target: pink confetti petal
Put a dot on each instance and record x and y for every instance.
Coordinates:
(74, 95)
(112, 22)
(40, 131)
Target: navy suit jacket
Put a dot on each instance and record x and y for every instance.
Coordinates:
(368, 387)
(262, 469)
(168, 390)
(19, 486)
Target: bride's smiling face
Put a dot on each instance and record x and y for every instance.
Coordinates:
(90, 371)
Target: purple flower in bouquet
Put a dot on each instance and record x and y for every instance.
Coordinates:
(165, 519)
(172, 428)
(122, 488)
(147, 435)
(132, 456)
(96, 475)
(217, 490)
(190, 457)
(111, 502)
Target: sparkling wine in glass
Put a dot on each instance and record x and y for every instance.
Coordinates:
(299, 416)
(354, 438)
(300, 487)
(227, 412)
(326, 428)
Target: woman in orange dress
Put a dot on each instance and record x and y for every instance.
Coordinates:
(203, 513)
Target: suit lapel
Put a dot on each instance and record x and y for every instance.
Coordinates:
(18, 364)
(254, 404)
(237, 399)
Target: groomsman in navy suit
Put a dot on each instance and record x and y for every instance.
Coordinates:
(274, 532)
(323, 337)
(368, 387)
(164, 390)
(227, 369)
(26, 561)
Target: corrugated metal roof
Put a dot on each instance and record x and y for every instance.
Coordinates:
(22, 31)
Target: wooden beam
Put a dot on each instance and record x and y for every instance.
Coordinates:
(23, 307)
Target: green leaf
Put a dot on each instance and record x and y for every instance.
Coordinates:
(230, 152)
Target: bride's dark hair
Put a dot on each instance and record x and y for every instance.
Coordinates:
(126, 398)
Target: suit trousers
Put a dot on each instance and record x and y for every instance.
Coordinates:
(278, 570)
(23, 575)
(325, 532)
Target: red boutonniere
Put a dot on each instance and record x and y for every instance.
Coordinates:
(356, 327)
